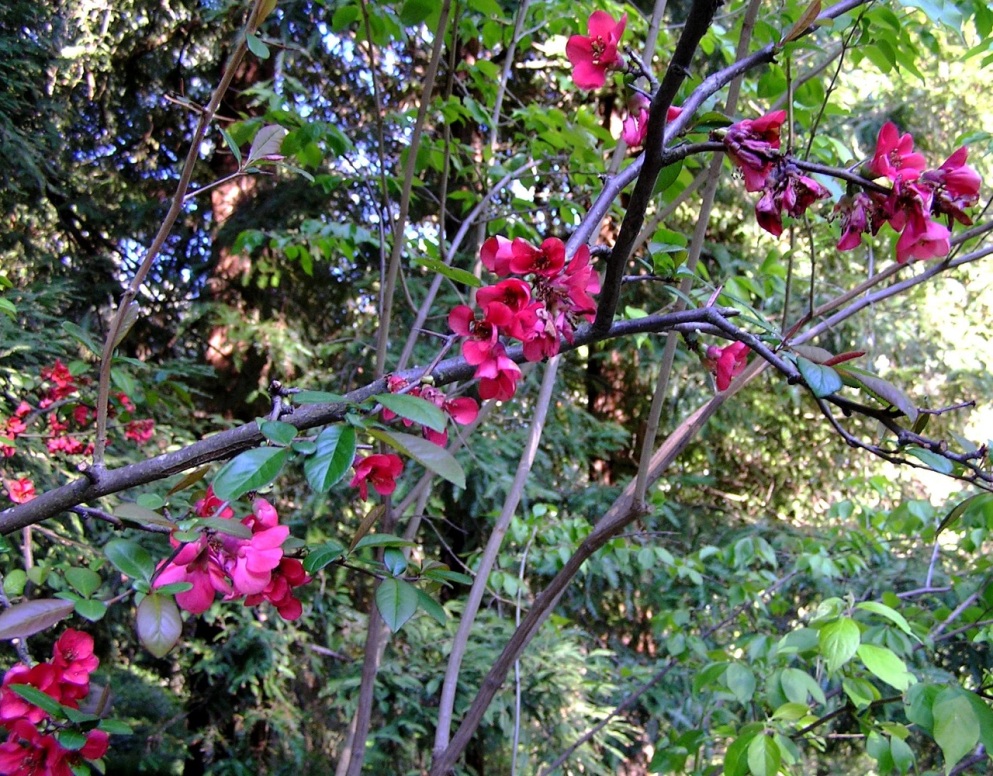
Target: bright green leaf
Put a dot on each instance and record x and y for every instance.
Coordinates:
(764, 756)
(414, 408)
(838, 641)
(335, 453)
(956, 728)
(888, 612)
(396, 601)
(885, 665)
(251, 470)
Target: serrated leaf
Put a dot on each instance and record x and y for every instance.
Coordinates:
(322, 556)
(335, 453)
(159, 624)
(130, 558)
(257, 47)
(90, 609)
(888, 612)
(432, 607)
(135, 513)
(956, 728)
(251, 470)
(885, 665)
(414, 408)
(83, 580)
(932, 460)
(396, 601)
(267, 141)
(839, 640)
(374, 516)
(452, 273)
(822, 380)
(885, 391)
(277, 431)
(30, 617)
(429, 455)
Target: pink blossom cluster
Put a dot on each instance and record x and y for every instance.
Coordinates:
(753, 147)
(254, 568)
(31, 748)
(461, 409)
(538, 312)
(916, 197)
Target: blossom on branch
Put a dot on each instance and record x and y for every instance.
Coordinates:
(753, 147)
(379, 469)
(727, 363)
(594, 54)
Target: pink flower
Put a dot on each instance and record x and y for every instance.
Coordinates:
(73, 656)
(895, 155)
(496, 254)
(379, 469)
(209, 504)
(20, 491)
(594, 54)
(44, 677)
(786, 190)
(498, 376)
(483, 334)
(922, 238)
(635, 126)
(97, 742)
(752, 145)
(255, 559)
(727, 363)
(547, 261)
(197, 563)
(856, 218)
(541, 337)
(139, 431)
(956, 186)
(29, 753)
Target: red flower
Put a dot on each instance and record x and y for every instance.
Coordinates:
(956, 186)
(496, 254)
(29, 753)
(635, 126)
(547, 261)
(139, 431)
(63, 383)
(498, 376)
(44, 677)
(279, 592)
(199, 564)
(73, 656)
(254, 560)
(727, 363)
(209, 504)
(20, 491)
(594, 54)
(483, 335)
(895, 155)
(856, 219)
(381, 470)
(752, 145)
(922, 238)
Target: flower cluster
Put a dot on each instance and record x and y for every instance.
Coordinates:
(32, 748)
(915, 198)
(537, 313)
(253, 567)
(726, 363)
(461, 409)
(66, 418)
(593, 55)
(634, 128)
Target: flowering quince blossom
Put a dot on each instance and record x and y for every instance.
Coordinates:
(727, 363)
(462, 410)
(786, 190)
(381, 470)
(594, 54)
(233, 566)
(20, 491)
(753, 147)
(28, 750)
(917, 196)
(635, 127)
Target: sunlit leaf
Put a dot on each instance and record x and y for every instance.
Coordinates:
(159, 624)
(251, 470)
(431, 456)
(30, 617)
(415, 409)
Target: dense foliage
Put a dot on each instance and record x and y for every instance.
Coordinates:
(486, 387)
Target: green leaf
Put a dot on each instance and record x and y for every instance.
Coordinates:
(277, 432)
(72, 740)
(798, 684)
(839, 641)
(335, 453)
(790, 712)
(452, 273)
(257, 47)
(115, 727)
(267, 140)
(395, 561)
(130, 558)
(30, 617)
(317, 397)
(38, 698)
(225, 526)
(956, 728)
(933, 461)
(232, 145)
(902, 754)
(667, 176)
(885, 665)
(447, 575)
(396, 601)
(322, 556)
(432, 607)
(861, 692)
(83, 580)
(736, 756)
(90, 609)
(429, 455)
(959, 509)
(884, 391)
(416, 11)
(414, 408)
(14, 582)
(135, 513)
(822, 380)
(159, 624)
(741, 681)
(251, 470)
(82, 336)
(888, 612)
(764, 756)
(382, 540)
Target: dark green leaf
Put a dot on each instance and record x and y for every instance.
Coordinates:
(90, 609)
(452, 273)
(135, 513)
(83, 580)
(933, 461)
(395, 561)
(414, 408)
(382, 540)
(251, 470)
(322, 556)
(335, 453)
(396, 601)
(38, 698)
(822, 380)
(130, 558)
(257, 47)
(277, 432)
(115, 727)
(431, 456)
(432, 607)
(317, 397)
